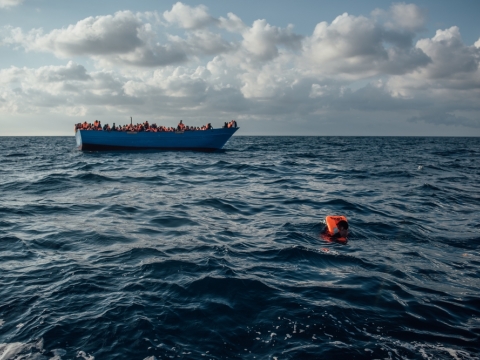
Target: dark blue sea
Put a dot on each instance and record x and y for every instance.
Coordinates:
(190, 255)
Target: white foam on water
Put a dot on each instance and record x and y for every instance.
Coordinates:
(9, 351)
(58, 353)
(427, 351)
(457, 354)
(425, 355)
(339, 344)
(17, 350)
(85, 356)
(2, 322)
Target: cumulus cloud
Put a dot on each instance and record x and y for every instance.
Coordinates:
(203, 42)
(450, 55)
(408, 16)
(9, 3)
(217, 68)
(122, 38)
(262, 39)
(449, 83)
(69, 72)
(56, 89)
(357, 46)
(189, 17)
(453, 66)
(233, 23)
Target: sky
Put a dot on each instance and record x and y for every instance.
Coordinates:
(353, 68)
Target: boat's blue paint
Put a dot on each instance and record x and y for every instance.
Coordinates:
(203, 140)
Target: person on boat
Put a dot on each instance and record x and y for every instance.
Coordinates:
(181, 125)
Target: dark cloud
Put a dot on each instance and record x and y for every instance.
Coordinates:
(437, 117)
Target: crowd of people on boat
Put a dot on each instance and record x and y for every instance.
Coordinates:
(146, 127)
(231, 124)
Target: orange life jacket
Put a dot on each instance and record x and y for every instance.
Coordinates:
(332, 222)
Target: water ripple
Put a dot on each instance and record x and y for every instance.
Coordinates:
(189, 255)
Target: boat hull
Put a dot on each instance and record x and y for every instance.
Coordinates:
(199, 140)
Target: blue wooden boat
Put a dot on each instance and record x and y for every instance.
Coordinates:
(199, 140)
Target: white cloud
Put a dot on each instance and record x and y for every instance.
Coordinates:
(262, 40)
(202, 42)
(232, 24)
(318, 90)
(449, 54)
(188, 17)
(53, 89)
(454, 69)
(101, 35)
(69, 72)
(9, 3)
(356, 64)
(404, 20)
(122, 38)
(449, 86)
(358, 47)
(407, 16)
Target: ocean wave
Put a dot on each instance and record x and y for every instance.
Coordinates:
(191, 255)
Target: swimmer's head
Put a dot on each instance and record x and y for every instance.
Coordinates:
(342, 226)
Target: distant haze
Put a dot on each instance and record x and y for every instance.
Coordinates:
(277, 67)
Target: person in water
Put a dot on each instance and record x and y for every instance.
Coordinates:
(335, 229)
(342, 226)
